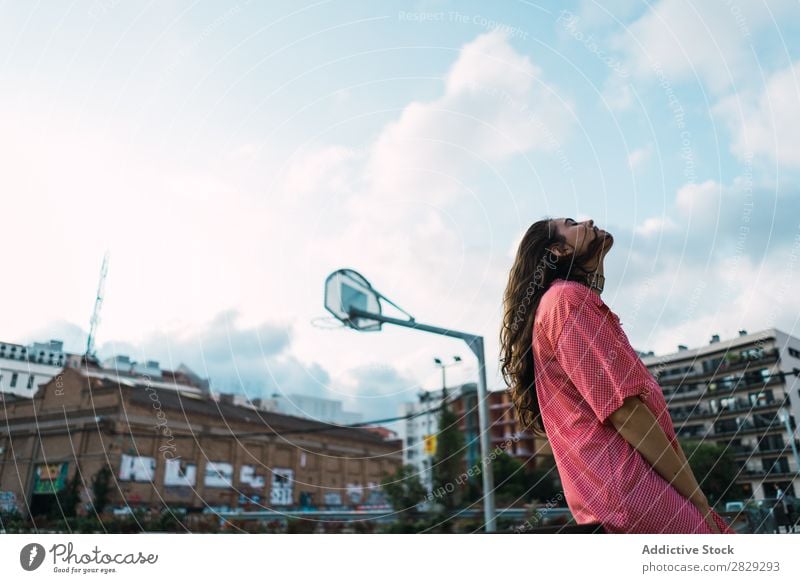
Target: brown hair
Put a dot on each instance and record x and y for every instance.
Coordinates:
(534, 270)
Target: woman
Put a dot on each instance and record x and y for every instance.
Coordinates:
(574, 377)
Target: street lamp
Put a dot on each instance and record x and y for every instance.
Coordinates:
(440, 364)
(427, 396)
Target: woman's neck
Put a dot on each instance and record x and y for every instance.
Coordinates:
(597, 279)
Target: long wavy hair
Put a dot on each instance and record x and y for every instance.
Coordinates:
(535, 268)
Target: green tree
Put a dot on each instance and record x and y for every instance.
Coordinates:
(544, 486)
(514, 484)
(715, 469)
(68, 498)
(404, 490)
(448, 461)
(101, 488)
(510, 480)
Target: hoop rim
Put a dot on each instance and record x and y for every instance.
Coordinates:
(327, 323)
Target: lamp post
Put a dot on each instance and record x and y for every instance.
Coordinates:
(440, 364)
(426, 396)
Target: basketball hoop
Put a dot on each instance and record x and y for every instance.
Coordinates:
(346, 289)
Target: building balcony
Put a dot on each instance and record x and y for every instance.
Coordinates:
(702, 391)
(733, 364)
(741, 406)
(736, 362)
(689, 433)
(748, 452)
(750, 474)
(749, 427)
(504, 437)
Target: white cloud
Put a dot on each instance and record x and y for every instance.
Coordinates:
(491, 61)
(766, 123)
(496, 104)
(725, 258)
(609, 13)
(639, 156)
(654, 225)
(727, 295)
(618, 92)
(327, 169)
(707, 40)
(699, 200)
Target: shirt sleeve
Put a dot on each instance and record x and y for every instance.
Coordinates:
(597, 357)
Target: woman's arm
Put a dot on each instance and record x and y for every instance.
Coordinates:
(680, 452)
(637, 425)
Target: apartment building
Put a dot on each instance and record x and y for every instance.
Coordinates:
(24, 368)
(741, 393)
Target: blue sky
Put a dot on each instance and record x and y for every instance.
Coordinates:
(231, 155)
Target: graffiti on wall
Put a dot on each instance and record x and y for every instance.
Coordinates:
(8, 501)
(248, 476)
(282, 484)
(355, 492)
(134, 468)
(219, 475)
(50, 478)
(332, 499)
(180, 473)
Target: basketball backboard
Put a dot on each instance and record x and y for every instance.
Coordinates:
(345, 289)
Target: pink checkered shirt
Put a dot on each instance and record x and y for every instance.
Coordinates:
(585, 367)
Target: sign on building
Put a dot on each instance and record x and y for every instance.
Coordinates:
(219, 475)
(430, 444)
(180, 473)
(282, 483)
(134, 468)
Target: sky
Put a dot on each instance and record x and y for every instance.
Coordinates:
(229, 156)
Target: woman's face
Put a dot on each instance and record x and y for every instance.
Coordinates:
(581, 237)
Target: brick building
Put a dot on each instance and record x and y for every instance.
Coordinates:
(174, 444)
(504, 430)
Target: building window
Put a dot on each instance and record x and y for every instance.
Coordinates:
(794, 352)
(761, 398)
(30, 381)
(775, 465)
(711, 365)
(13, 380)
